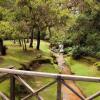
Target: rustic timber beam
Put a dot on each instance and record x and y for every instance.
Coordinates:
(4, 97)
(75, 92)
(93, 96)
(4, 74)
(50, 75)
(12, 87)
(59, 88)
(39, 90)
(26, 85)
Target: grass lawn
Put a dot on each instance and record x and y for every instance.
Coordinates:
(85, 68)
(15, 56)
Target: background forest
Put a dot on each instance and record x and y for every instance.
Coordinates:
(75, 23)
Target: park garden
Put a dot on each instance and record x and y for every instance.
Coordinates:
(30, 34)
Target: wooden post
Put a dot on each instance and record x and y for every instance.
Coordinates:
(59, 88)
(39, 97)
(12, 87)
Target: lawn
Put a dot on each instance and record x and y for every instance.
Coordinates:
(85, 68)
(15, 56)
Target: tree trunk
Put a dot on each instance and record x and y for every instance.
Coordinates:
(27, 38)
(23, 44)
(20, 42)
(25, 47)
(38, 40)
(1, 46)
(49, 29)
(31, 40)
(14, 41)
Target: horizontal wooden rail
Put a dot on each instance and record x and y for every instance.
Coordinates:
(50, 75)
(4, 74)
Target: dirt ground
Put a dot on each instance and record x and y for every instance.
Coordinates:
(67, 94)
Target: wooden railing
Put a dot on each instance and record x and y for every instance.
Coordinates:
(58, 78)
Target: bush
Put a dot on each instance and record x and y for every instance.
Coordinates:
(43, 35)
(68, 50)
(97, 64)
(68, 43)
(97, 55)
(87, 51)
(76, 54)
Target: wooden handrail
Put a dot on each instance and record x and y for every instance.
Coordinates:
(50, 75)
(59, 78)
(4, 74)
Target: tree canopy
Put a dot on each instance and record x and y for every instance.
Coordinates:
(75, 23)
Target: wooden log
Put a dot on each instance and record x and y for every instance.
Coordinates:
(39, 97)
(12, 87)
(59, 88)
(26, 85)
(75, 92)
(50, 75)
(28, 96)
(45, 86)
(92, 97)
(4, 97)
(41, 89)
(4, 74)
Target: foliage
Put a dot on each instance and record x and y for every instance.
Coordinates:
(85, 32)
(73, 23)
(6, 30)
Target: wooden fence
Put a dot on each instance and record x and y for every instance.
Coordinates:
(58, 78)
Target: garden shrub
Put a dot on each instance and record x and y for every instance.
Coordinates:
(68, 43)
(68, 50)
(97, 64)
(97, 55)
(76, 54)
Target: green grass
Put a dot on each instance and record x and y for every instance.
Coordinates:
(49, 93)
(15, 56)
(4, 86)
(85, 68)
